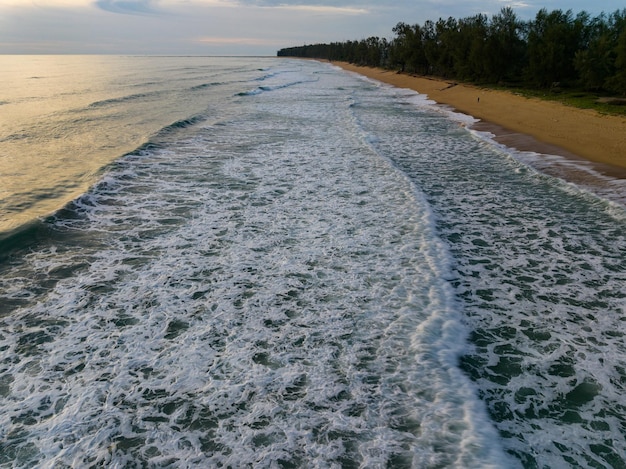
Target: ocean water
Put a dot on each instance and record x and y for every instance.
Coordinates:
(212, 262)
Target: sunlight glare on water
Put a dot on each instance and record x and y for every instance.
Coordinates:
(64, 118)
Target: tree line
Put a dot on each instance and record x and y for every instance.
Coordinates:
(556, 48)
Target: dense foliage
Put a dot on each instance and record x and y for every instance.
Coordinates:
(555, 49)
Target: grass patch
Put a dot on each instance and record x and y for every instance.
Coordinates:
(602, 103)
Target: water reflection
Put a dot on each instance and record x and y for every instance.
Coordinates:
(63, 118)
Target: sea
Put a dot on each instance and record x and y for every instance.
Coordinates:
(274, 263)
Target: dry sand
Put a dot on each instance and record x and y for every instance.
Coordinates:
(526, 124)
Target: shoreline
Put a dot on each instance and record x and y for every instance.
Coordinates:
(525, 124)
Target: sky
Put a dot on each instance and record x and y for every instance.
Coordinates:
(230, 27)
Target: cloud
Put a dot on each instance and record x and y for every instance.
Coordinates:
(514, 4)
(314, 6)
(45, 4)
(247, 41)
(276, 3)
(128, 7)
(323, 9)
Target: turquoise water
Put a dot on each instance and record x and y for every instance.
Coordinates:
(299, 267)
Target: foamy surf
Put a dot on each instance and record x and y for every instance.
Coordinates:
(325, 272)
(263, 289)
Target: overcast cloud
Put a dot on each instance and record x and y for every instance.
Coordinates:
(132, 7)
(228, 27)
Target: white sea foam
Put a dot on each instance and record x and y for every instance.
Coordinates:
(292, 283)
(268, 290)
(582, 176)
(538, 266)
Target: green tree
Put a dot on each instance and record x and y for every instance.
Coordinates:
(595, 61)
(505, 49)
(401, 46)
(431, 46)
(553, 40)
(446, 39)
(466, 43)
(477, 35)
(408, 50)
(617, 82)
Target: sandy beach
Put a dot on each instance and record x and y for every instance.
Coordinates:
(527, 124)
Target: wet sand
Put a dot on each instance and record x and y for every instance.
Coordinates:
(526, 124)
